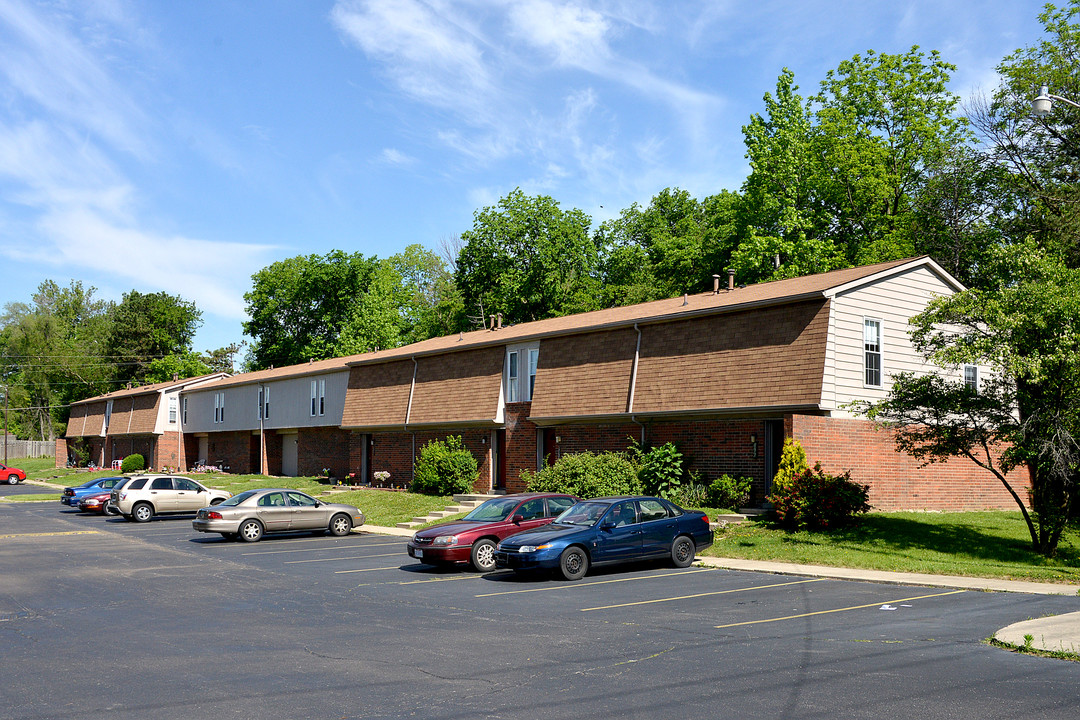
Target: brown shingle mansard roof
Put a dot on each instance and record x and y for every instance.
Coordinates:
(143, 389)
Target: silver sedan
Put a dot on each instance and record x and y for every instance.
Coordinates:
(252, 513)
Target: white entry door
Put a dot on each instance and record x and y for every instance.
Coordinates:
(288, 455)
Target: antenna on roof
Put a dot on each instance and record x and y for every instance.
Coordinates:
(461, 335)
(685, 301)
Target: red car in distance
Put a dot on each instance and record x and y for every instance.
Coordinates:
(11, 475)
(472, 539)
(95, 503)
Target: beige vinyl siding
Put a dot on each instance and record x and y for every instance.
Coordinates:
(893, 301)
(290, 404)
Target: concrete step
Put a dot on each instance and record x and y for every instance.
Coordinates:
(436, 514)
(409, 525)
(467, 497)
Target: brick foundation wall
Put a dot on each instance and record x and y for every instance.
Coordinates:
(393, 452)
(60, 453)
(191, 452)
(520, 447)
(712, 448)
(896, 481)
(231, 449)
(272, 452)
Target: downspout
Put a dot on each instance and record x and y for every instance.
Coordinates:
(408, 413)
(633, 384)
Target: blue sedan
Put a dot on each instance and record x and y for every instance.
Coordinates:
(72, 495)
(608, 530)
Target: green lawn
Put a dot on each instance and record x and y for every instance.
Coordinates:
(978, 544)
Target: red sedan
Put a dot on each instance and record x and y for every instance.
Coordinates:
(11, 475)
(95, 503)
(472, 539)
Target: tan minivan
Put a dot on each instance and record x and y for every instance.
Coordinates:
(149, 495)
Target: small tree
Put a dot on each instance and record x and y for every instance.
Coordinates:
(445, 468)
(133, 463)
(792, 463)
(659, 468)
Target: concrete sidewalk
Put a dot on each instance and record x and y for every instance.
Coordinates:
(1060, 633)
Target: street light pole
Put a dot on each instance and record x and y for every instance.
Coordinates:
(1044, 103)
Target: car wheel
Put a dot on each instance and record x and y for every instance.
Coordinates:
(251, 531)
(340, 525)
(483, 555)
(110, 510)
(12, 479)
(142, 512)
(216, 501)
(573, 563)
(683, 551)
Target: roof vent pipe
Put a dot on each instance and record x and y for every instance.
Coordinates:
(731, 279)
(716, 284)
(498, 319)
(685, 300)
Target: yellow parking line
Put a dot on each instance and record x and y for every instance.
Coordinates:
(689, 597)
(598, 582)
(47, 534)
(339, 559)
(449, 579)
(845, 609)
(343, 572)
(316, 549)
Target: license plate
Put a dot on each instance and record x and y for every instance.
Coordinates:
(419, 553)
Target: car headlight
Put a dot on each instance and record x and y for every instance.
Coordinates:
(414, 536)
(445, 540)
(533, 548)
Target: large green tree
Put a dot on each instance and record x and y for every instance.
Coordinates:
(147, 326)
(527, 259)
(1027, 413)
(298, 307)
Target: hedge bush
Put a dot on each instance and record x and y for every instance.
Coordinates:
(792, 463)
(133, 463)
(445, 468)
(586, 475)
(818, 501)
(659, 469)
(728, 492)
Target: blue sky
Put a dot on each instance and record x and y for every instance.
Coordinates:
(182, 146)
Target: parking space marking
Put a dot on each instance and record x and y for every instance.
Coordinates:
(835, 610)
(448, 579)
(338, 547)
(339, 559)
(345, 572)
(705, 594)
(598, 582)
(52, 534)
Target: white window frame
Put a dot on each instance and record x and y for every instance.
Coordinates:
(264, 402)
(183, 411)
(322, 398)
(971, 377)
(172, 410)
(513, 375)
(867, 353)
(533, 358)
(217, 408)
(314, 396)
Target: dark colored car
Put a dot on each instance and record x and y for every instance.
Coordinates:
(71, 495)
(608, 530)
(472, 539)
(11, 475)
(96, 503)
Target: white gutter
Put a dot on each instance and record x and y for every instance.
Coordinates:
(633, 373)
(408, 409)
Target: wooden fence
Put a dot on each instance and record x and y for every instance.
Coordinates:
(29, 448)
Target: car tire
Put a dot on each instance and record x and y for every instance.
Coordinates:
(340, 525)
(482, 557)
(216, 501)
(573, 563)
(142, 512)
(251, 531)
(683, 551)
(109, 510)
(12, 479)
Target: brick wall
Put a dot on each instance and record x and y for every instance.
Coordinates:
(61, 452)
(393, 452)
(712, 448)
(896, 481)
(231, 449)
(272, 453)
(520, 448)
(319, 448)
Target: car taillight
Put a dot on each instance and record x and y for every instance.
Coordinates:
(705, 518)
(213, 515)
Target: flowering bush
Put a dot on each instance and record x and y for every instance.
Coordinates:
(812, 499)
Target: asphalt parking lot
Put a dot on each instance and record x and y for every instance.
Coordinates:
(104, 618)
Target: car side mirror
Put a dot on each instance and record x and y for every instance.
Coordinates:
(607, 525)
(517, 519)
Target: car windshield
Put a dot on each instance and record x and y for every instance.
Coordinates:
(584, 513)
(493, 510)
(237, 499)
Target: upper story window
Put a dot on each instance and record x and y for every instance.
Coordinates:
(219, 407)
(264, 403)
(172, 411)
(519, 372)
(872, 352)
(971, 377)
(184, 410)
(318, 397)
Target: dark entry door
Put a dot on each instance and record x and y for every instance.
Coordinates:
(500, 459)
(255, 454)
(550, 448)
(774, 447)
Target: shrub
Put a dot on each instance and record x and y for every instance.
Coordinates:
(792, 463)
(445, 468)
(586, 475)
(691, 494)
(133, 463)
(816, 500)
(728, 492)
(659, 469)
